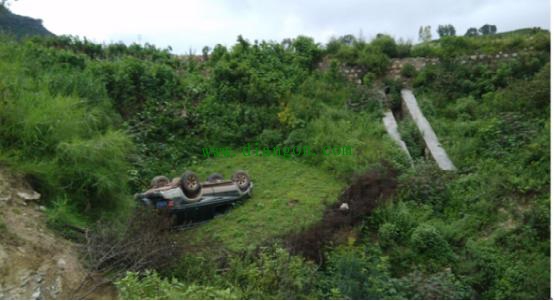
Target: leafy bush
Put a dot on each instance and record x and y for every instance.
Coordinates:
(359, 273)
(270, 137)
(61, 213)
(427, 240)
(440, 285)
(412, 137)
(388, 235)
(273, 274)
(408, 70)
(63, 143)
(152, 286)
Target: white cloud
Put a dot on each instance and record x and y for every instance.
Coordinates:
(193, 24)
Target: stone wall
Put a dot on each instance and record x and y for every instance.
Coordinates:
(356, 73)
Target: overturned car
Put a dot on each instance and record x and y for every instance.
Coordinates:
(188, 199)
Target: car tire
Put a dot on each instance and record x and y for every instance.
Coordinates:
(159, 181)
(215, 177)
(190, 184)
(241, 179)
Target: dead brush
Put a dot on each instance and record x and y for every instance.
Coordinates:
(143, 242)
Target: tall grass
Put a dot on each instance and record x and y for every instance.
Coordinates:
(62, 137)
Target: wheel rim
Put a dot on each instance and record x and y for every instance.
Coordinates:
(242, 180)
(191, 183)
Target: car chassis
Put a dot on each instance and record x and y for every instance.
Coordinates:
(189, 200)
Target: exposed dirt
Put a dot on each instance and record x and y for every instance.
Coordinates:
(35, 263)
(362, 196)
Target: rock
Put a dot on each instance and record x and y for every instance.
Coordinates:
(36, 294)
(3, 256)
(42, 208)
(344, 207)
(5, 198)
(56, 287)
(61, 264)
(33, 196)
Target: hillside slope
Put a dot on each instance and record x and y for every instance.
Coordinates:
(20, 26)
(35, 263)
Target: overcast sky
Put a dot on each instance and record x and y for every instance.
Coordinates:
(190, 25)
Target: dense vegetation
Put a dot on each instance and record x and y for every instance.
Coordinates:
(91, 124)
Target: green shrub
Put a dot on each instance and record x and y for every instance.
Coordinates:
(388, 235)
(385, 44)
(484, 267)
(412, 137)
(95, 170)
(525, 279)
(440, 285)
(427, 240)
(337, 127)
(400, 216)
(408, 70)
(273, 274)
(62, 142)
(426, 184)
(359, 273)
(151, 286)
(373, 61)
(270, 137)
(369, 79)
(63, 213)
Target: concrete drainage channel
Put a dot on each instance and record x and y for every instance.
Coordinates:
(431, 140)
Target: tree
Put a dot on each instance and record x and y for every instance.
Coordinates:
(205, 53)
(487, 29)
(348, 39)
(425, 33)
(446, 30)
(472, 32)
(385, 44)
(307, 51)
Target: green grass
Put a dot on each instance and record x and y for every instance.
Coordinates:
(278, 183)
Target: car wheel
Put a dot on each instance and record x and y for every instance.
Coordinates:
(241, 179)
(159, 181)
(190, 184)
(215, 177)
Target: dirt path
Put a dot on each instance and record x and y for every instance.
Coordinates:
(35, 263)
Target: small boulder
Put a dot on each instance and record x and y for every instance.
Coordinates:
(33, 196)
(344, 207)
(36, 294)
(61, 264)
